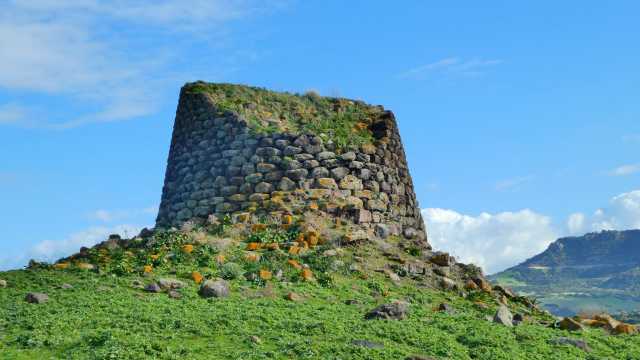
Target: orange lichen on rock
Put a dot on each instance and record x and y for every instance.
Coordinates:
(307, 275)
(154, 257)
(61, 266)
(627, 329)
(294, 263)
(85, 266)
(252, 257)
(258, 227)
(287, 219)
(265, 274)
(187, 249)
(253, 246)
(294, 250)
(147, 269)
(197, 277)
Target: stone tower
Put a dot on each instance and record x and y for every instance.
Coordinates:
(250, 153)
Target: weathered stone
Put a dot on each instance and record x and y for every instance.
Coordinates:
(268, 151)
(339, 173)
(292, 150)
(238, 198)
(376, 205)
(320, 172)
(253, 178)
(326, 183)
(310, 164)
(214, 288)
(382, 231)
(263, 187)
(265, 167)
(441, 258)
(348, 156)
(36, 298)
(570, 324)
(257, 197)
(297, 174)
(580, 344)
(153, 288)
(325, 155)
(396, 310)
(627, 329)
(503, 316)
(168, 283)
(448, 284)
(286, 184)
(351, 182)
(291, 296)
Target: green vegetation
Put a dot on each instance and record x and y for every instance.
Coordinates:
(345, 122)
(106, 314)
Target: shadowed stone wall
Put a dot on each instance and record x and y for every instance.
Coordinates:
(218, 165)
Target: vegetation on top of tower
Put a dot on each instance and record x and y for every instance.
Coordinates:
(345, 122)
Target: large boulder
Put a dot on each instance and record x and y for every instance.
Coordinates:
(396, 310)
(36, 298)
(170, 284)
(570, 324)
(214, 288)
(503, 316)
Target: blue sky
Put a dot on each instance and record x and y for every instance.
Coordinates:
(521, 122)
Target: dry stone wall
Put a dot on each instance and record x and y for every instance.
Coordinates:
(218, 165)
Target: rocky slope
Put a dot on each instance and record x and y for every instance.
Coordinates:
(584, 273)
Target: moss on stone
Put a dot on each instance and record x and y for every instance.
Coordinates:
(343, 121)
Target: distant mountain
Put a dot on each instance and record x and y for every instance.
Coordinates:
(597, 271)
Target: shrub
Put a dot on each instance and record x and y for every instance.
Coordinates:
(231, 271)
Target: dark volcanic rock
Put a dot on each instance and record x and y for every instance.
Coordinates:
(396, 310)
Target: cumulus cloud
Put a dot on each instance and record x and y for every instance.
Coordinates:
(492, 241)
(451, 65)
(625, 170)
(622, 213)
(95, 52)
(52, 250)
(498, 241)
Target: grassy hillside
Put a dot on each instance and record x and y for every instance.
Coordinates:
(308, 304)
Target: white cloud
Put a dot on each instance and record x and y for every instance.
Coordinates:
(513, 183)
(576, 223)
(623, 213)
(97, 53)
(625, 170)
(492, 241)
(451, 65)
(51, 250)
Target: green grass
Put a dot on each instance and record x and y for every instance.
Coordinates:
(104, 317)
(119, 322)
(268, 111)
